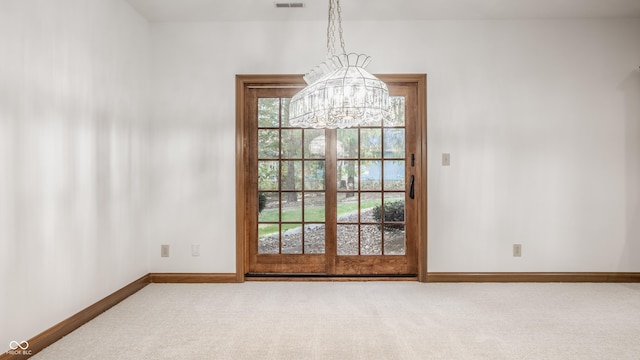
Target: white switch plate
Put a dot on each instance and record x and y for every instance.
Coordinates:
(164, 250)
(195, 249)
(446, 159)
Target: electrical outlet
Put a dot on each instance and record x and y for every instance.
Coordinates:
(164, 250)
(195, 249)
(517, 250)
(446, 159)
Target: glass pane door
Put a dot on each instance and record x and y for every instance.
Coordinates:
(331, 201)
(371, 186)
(291, 178)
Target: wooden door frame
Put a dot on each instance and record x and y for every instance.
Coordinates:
(243, 82)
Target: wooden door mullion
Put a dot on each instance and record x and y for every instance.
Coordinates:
(331, 200)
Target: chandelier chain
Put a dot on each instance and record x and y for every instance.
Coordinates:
(339, 12)
(335, 10)
(330, 31)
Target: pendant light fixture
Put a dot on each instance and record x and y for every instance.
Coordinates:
(340, 92)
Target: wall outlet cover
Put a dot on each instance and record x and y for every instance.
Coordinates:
(195, 249)
(517, 250)
(164, 250)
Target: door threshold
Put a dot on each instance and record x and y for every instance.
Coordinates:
(328, 277)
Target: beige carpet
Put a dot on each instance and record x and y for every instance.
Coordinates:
(363, 320)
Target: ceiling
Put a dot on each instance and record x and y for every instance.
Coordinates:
(380, 10)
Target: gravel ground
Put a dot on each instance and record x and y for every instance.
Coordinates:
(314, 237)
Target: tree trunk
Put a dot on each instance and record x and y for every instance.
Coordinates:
(291, 182)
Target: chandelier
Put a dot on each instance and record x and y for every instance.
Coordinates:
(340, 92)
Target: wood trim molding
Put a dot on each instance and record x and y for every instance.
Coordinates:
(599, 277)
(193, 278)
(56, 332)
(330, 278)
(424, 194)
(240, 178)
(247, 81)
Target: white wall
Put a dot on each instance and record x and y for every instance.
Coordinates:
(73, 97)
(541, 118)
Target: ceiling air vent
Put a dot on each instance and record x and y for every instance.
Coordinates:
(290, 5)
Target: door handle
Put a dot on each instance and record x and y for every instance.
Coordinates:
(412, 194)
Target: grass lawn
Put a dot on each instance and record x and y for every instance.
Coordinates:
(311, 212)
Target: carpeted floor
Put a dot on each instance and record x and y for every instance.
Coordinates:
(364, 320)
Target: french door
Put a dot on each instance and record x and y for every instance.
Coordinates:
(332, 201)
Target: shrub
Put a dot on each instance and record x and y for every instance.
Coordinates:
(262, 202)
(393, 212)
